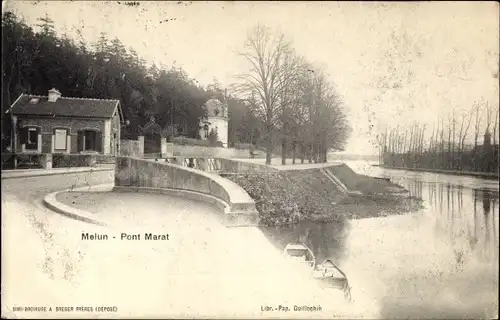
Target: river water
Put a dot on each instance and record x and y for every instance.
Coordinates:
(438, 262)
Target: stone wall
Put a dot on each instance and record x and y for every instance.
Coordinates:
(64, 160)
(230, 165)
(47, 126)
(225, 165)
(141, 174)
(73, 125)
(131, 148)
(212, 152)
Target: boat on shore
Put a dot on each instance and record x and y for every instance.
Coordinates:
(328, 274)
(331, 276)
(301, 253)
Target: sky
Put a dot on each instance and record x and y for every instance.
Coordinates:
(392, 63)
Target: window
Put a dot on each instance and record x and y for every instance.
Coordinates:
(31, 142)
(89, 140)
(182, 125)
(60, 139)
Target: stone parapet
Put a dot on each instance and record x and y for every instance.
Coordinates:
(143, 175)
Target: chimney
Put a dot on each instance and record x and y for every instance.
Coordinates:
(54, 95)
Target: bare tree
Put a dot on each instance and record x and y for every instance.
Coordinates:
(432, 139)
(464, 129)
(442, 143)
(291, 72)
(477, 123)
(450, 130)
(495, 128)
(264, 52)
(453, 146)
(436, 138)
(421, 142)
(488, 116)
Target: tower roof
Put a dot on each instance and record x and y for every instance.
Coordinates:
(215, 108)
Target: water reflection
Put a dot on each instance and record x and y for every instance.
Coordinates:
(415, 189)
(441, 261)
(463, 218)
(467, 214)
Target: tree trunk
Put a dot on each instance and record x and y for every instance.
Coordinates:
(310, 153)
(269, 151)
(269, 145)
(315, 152)
(283, 151)
(302, 152)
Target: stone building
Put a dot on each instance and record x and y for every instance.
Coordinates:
(217, 120)
(56, 124)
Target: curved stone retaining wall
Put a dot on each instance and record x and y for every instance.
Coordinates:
(137, 173)
(219, 165)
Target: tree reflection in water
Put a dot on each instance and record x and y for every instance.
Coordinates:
(466, 218)
(459, 217)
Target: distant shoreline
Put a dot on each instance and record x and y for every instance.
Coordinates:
(484, 175)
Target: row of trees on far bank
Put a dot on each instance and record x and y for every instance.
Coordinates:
(455, 143)
(301, 114)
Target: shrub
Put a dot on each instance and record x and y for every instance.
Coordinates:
(213, 138)
(63, 160)
(28, 161)
(7, 161)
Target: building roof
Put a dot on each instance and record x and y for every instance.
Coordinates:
(33, 105)
(215, 108)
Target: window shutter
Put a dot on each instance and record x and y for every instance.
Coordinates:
(98, 142)
(38, 131)
(80, 141)
(24, 135)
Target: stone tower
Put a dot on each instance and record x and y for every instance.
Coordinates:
(217, 120)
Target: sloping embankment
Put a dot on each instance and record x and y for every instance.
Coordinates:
(365, 184)
(289, 196)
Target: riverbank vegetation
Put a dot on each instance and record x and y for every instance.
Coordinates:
(287, 197)
(36, 58)
(282, 104)
(454, 144)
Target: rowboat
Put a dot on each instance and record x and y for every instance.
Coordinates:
(331, 276)
(301, 253)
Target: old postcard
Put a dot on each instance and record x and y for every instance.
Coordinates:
(250, 160)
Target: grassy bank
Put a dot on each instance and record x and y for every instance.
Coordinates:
(365, 184)
(286, 197)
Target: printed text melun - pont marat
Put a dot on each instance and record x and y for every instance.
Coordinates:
(126, 236)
